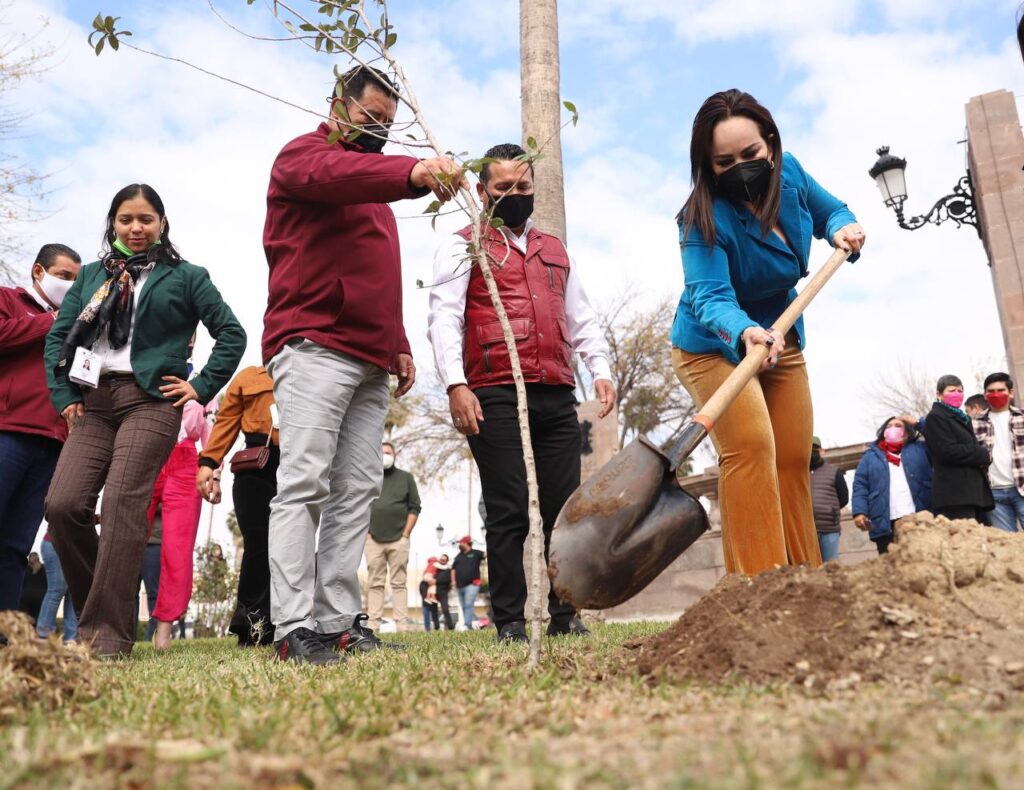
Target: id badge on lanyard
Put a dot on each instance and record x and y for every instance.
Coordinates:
(86, 368)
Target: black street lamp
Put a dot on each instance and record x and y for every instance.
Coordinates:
(440, 533)
(889, 173)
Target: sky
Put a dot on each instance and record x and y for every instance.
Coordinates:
(841, 78)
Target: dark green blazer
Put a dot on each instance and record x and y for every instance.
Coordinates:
(174, 299)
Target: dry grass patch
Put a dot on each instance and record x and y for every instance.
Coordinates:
(40, 673)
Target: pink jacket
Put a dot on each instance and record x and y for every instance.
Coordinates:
(194, 425)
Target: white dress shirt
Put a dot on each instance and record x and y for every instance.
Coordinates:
(447, 320)
(119, 360)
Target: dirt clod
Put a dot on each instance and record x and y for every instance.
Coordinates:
(943, 604)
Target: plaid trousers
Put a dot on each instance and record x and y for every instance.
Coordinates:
(119, 446)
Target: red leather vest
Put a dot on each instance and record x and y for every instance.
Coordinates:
(532, 288)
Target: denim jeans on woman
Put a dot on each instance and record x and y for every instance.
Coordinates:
(56, 591)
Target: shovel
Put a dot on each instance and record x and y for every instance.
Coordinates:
(630, 520)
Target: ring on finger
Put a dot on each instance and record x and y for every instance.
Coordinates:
(457, 421)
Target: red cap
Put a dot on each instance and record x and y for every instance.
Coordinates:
(465, 540)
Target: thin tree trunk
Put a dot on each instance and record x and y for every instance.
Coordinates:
(542, 120)
(480, 257)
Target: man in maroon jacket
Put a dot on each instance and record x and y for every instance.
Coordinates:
(31, 431)
(332, 333)
(551, 320)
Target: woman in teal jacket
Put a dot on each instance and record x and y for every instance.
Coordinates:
(136, 310)
(745, 234)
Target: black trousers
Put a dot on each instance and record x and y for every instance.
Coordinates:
(251, 493)
(442, 598)
(555, 433)
(962, 511)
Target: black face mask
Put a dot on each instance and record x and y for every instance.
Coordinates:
(513, 210)
(746, 180)
(372, 138)
(815, 457)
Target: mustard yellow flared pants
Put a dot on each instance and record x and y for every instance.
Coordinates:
(764, 450)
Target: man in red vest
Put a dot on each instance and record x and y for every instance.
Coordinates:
(551, 319)
(31, 432)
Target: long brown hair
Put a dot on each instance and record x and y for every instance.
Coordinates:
(699, 207)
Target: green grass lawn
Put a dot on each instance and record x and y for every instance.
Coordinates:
(456, 710)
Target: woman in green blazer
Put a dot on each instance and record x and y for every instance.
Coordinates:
(135, 309)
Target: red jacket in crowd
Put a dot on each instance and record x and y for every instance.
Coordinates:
(25, 405)
(332, 246)
(532, 288)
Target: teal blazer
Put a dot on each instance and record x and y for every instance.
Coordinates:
(174, 299)
(746, 280)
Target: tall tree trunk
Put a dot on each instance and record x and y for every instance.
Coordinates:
(542, 108)
(541, 113)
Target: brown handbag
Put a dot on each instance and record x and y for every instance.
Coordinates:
(251, 459)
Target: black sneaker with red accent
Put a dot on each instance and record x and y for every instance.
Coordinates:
(304, 647)
(357, 639)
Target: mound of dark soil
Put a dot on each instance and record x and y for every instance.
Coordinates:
(947, 602)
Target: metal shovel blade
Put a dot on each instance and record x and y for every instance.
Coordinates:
(622, 528)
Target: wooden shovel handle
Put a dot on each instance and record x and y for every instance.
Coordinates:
(751, 363)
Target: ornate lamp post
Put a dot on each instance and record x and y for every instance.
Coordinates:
(889, 173)
(440, 534)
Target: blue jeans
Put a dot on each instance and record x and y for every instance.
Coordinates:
(1009, 510)
(56, 590)
(467, 597)
(829, 543)
(26, 466)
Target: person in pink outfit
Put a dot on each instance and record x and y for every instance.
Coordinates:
(176, 491)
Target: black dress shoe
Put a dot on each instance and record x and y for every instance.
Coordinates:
(572, 627)
(304, 647)
(511, 633)
(357, 639)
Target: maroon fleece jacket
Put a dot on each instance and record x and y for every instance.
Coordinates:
(25, 405)
(332, 247)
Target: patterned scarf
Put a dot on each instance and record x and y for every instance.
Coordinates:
(111, 306)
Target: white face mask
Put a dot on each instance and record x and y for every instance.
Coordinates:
(54, 288)
(389, 460)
